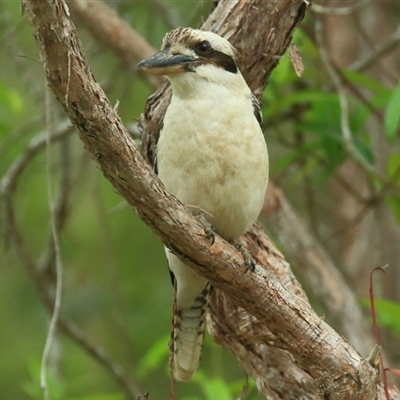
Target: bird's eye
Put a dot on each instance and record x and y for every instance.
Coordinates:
(203, 48)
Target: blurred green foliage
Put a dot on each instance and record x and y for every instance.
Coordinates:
(388, 314)
(116, 283)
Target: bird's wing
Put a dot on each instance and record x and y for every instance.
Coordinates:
(257, 109)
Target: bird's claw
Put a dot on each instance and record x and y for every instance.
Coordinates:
(249, 263)
(207, 226)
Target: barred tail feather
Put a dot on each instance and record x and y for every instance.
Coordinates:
(188, 336)
(190, 303)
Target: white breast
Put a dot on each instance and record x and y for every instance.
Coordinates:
(212, 154)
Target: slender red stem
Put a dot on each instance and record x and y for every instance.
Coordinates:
(376, 329)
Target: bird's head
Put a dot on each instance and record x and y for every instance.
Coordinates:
(191, 51)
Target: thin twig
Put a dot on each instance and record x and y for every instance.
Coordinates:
(344, 108)
(375, 326)
(370, 43)
(9, 181)
(377, 54)
(36, 271)
(65, 326)
(10, 35)
(99, 354)
(57, 251)
(60, 214)
(103, 23)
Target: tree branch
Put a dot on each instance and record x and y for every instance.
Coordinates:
(114, 33)
(318, 271)
(333, 368)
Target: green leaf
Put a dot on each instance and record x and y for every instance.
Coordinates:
(213, 388)
(32, 386)
(10, 99)
(392, 115)
(286, 161)
(319, 101)
(360, 79)
(154, 358)
(394, 203)
(332, 144)
(388, 314)
(393, 167)
(364, 149)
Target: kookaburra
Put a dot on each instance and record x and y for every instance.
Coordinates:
(213, 157)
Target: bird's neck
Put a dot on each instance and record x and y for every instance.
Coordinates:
(209, 82)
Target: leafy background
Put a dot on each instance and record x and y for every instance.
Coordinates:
(116, 287)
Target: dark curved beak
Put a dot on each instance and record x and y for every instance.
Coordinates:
(165, 63)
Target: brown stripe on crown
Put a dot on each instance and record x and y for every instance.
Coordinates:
(182, 35)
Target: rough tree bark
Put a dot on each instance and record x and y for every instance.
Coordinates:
(306, 359)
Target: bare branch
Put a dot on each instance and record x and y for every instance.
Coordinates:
(377, 54)
(9, 181)
(318, 271)
(114, 33)
(10, 178)
(39, 272)
(344, 109)
(55, 245)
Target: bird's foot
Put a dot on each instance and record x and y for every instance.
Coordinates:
(249, 263)
(207, 226)
(202, 215)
